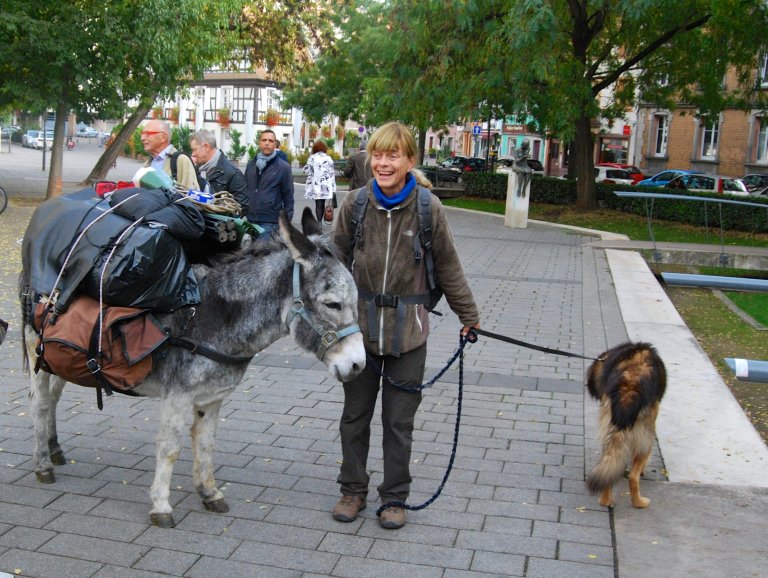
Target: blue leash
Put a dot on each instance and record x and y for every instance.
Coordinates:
(470, 338)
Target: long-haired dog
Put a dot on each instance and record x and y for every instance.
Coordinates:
(629, 381)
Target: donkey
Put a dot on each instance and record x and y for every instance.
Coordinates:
(293, 284)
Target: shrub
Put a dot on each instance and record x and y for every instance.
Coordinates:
(302, 157)
(556, 191)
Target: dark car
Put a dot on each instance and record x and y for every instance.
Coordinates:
(452, 168)
(755, 182)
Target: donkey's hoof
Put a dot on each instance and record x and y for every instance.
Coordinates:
(162, 520)
(219, 506)
(45, 476)
(57, 458)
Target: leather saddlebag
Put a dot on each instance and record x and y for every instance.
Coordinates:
(69, 343)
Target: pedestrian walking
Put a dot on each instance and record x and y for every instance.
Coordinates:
(321, 180)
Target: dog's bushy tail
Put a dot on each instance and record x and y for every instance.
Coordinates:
(613, 461)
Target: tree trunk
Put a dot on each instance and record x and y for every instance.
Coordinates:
(110, 154)
(583, 162)
(421, 143)
(57, 150)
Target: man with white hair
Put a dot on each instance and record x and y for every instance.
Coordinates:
(156, 138)
(216, 168)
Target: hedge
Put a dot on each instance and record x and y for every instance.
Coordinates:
(556, 191)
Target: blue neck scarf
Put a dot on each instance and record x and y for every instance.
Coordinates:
(262, 159)
(391, 202)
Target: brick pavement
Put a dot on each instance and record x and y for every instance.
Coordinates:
(514, 505)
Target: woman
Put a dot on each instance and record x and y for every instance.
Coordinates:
(393, 318)
(321, 178)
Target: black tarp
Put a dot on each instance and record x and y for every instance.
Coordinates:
(148, 268)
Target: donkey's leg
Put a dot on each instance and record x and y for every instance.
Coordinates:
(206, 417)
(172, 410)
(57, 454)
(42, 408)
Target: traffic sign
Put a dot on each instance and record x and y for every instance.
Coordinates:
(477, 129)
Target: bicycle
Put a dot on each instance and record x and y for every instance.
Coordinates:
(3, 199)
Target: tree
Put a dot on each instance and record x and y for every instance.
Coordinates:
(546, 60)
(97, 55)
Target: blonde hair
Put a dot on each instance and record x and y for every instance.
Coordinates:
(421, 179)
(391, 137)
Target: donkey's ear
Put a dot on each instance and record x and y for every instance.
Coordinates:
(301, 248)
(309, 224)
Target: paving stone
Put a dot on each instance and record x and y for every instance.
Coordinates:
(43, 565)
(499, 564)
(94, 549)
(351, 567)
(286, 557)
(207, 567)
(547, 568)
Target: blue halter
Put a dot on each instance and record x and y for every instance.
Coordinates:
(327, 338)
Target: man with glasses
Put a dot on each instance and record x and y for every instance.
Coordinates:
(156, 138)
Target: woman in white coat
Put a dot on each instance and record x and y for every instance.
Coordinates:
(321, 178)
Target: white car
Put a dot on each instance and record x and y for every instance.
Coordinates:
(610, 175)
(33, 139)
(709, 184)
(87, 132)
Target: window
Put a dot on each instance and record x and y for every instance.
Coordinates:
(226, 97)
(762, 71)
(709, 135)
(661, 132)
(273, 99)
(761, 152)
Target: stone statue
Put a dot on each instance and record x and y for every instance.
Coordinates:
(521, 168)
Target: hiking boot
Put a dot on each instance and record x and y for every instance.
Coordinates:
(392, 518)
(347, 508)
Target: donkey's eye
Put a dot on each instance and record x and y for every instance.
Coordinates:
(333, 305)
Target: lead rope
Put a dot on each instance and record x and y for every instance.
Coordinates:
(470, 338)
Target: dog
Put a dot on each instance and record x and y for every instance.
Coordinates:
(629, 381)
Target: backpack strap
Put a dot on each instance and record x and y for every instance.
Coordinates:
(358, 214)
(424, 237)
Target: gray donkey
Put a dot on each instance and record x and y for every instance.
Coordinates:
(292, 284)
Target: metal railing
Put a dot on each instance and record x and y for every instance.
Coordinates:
(705, 200)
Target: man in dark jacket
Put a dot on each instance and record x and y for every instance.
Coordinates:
(270, 184)
(217, 170)
(358, 169)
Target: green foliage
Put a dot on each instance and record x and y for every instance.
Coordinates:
(302, 157)
(252, 152)
(180, 139)
(237, 151)
(548, 60)
(330, 143)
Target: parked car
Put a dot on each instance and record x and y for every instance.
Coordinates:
(662, 178)
(505, 166)
(637, 176)
(708, 183)
(610, 175)
(452, 168)
(755, 182)
(87, 132)
(7, 131)
(34, 139)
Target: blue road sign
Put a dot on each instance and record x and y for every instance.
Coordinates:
(477, 129)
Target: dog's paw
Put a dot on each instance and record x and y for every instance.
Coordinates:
(641, 502)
